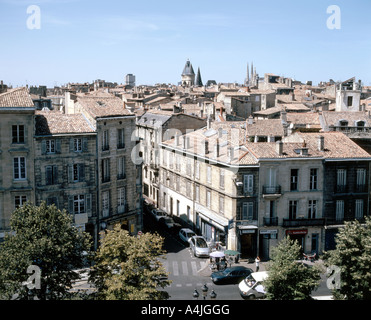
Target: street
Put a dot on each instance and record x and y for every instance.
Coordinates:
(186, 271)
(189, 273)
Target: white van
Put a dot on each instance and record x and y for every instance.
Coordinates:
(252, 286)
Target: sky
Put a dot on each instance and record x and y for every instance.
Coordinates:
(85, 40)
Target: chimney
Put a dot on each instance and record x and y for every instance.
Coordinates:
(231, 153)
(208, 122)
(220, 132)
(217, 149)
(279, 147)
(284, 116)
(321, 143)
(206, 146)
(250, 120)
(185, 142)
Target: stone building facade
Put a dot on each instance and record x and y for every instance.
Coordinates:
(16, 153)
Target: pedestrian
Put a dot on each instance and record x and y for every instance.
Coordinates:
(257, 261)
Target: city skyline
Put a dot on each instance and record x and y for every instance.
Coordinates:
(80, 41)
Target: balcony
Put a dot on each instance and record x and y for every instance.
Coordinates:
(303, 222)
(268, 222)
(271, 192)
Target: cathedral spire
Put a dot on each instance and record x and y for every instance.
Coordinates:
(198, 78)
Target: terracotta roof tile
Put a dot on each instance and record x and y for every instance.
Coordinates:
(18, 97)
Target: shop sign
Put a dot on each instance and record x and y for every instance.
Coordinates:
(301, 231)
(268, 231)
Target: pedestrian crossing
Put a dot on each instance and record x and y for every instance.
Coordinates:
(184, 268)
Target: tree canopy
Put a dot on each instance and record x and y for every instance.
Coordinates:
(128, 267)
(42, 239)
(289, 279)
(352, 256)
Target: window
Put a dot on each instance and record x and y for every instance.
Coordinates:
(177, 183)
(361, 177)
(105, 203)
(221, 204)
(105, 140)
(248, 183)
(341, 180)
(121, 200)
(294, 179)
(293, 209)
(208, 174)
(177, 163)
(120, 138)
(339, 210)
(312, 209)
(350, 101)
(189, 167)
(247, 211)
(78, 172)
(79, 204)
(77, 144)
(188, 189)
(19, 168)
(313, 179)
(50, 146)
(197, 193)
(221, 178)
(18, 134)
(51, 175)
(359, 209)
(121, 168)
(19, 201)
(208, 199)
(197, 169)
(105, 170)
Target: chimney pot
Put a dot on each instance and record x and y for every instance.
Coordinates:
(279, 147)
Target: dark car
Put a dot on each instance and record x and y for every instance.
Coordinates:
(231, 275)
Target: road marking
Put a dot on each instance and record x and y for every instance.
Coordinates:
(194, 268)
(185, 268)
(175, 268)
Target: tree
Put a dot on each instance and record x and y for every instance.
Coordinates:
(127, 267)
(289, 279)
(353, 256)
(43, 244)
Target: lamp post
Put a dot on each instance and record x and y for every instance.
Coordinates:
(204, 289)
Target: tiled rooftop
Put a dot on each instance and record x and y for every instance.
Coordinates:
(48, 122)
(18, 97)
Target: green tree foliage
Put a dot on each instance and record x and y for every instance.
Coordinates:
(289, 279)
(353, 256)
(127, 267)
(45, 237)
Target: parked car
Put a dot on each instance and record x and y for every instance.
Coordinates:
(252, 286)
(199, 246)
(185, 234)
(167, 221)
(158, 214)
(231, 275)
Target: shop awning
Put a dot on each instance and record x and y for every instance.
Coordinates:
(213, 218)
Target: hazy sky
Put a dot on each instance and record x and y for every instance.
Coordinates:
(82, 40)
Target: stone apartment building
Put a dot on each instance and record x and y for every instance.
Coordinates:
(249, 195)
(211, 182)
(16, 153)
(153, 127)
(118, 177)
(65, 166)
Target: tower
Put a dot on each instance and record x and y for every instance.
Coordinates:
(198, 78)
(188, 75)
